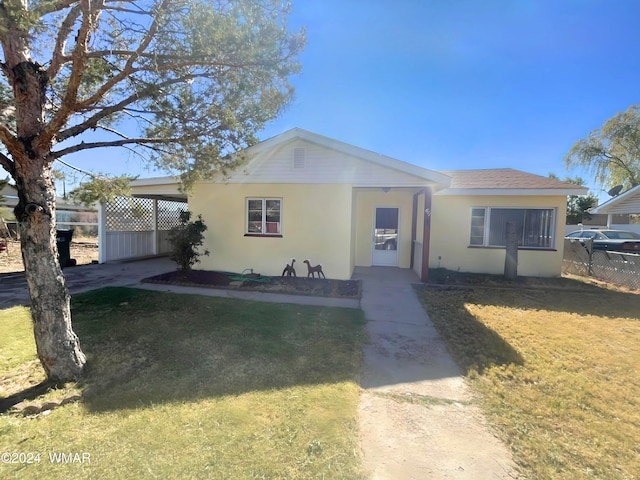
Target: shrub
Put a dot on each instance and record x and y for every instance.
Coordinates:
(185, 239)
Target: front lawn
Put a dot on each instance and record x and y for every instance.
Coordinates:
(557, 371)
(185, 387)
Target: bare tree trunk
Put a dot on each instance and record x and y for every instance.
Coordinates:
(57, 345)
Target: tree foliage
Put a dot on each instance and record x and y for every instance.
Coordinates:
(186, 238)
(612, 152)
(182, 83)
(101, 188)
(577, 205)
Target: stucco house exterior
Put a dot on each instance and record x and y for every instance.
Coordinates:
(305, 196)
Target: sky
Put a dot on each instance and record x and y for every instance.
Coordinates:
(456, 84)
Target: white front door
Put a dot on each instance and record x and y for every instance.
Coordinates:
(385, 236)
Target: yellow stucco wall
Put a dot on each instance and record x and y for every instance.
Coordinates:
(366, 201)
(316, 224)
(450, 230)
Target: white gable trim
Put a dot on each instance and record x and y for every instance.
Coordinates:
(627, 202)
(351, 150)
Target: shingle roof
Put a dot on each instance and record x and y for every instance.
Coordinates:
(505, 178)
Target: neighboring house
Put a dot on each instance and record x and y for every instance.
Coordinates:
(68, 214)
(623, 206)
(306, 196)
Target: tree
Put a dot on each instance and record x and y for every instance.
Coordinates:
(186, 238)
(612, 152)
(577, 205)
(195, 80)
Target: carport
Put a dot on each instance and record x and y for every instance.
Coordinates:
(138, 226)
(627, 203)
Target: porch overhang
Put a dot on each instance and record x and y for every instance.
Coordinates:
(158, 188)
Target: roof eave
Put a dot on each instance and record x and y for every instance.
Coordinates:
(514, 191)
(607, 206)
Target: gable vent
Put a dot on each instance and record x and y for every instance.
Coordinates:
(299, 155)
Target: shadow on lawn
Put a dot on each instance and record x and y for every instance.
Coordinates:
(147, 348)
(532, 293)
(474, 346)
(27, 394)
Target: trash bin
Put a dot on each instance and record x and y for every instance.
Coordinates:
(63, 240)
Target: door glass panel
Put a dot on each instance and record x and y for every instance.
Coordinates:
(386, 229)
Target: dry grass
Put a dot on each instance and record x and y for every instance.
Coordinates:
(193, 387)
(557, 370)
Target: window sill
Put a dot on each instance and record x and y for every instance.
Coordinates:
(494, 247)
(263, 235)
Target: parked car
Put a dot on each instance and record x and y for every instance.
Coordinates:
(613, 240)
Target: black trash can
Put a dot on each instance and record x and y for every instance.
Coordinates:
(63, 240)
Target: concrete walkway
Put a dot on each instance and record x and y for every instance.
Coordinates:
(417, 416)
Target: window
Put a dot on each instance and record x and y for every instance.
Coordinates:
(534, 226)
(263, 216)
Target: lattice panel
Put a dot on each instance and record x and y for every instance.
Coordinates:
(169, 213)
(125, 214)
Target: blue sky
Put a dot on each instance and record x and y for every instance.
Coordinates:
(459, 84)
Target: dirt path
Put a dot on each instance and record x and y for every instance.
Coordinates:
(84, 252)
(418, 419)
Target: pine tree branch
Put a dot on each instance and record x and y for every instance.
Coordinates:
(58, 58)
(9, 139)
(45, 8)
(7, 164)
(144, 142)
(77, 70)
(128, 69)
(92, 121)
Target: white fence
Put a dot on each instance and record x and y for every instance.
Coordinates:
(136, 227)
(630, 227)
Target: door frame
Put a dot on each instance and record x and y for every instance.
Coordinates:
(372, 232)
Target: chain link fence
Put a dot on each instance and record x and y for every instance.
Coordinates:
(614, 267)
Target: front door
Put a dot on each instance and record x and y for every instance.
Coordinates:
(385, 237)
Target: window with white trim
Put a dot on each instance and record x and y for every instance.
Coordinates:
(264, 216)
(535, 226)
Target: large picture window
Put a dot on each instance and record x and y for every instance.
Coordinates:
(535, 226)
(264, 216)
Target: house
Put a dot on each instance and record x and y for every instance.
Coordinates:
(305, 196)
(68, 213)
(621, 210)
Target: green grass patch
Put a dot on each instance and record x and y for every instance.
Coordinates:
(557, 373)
(182, 386)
